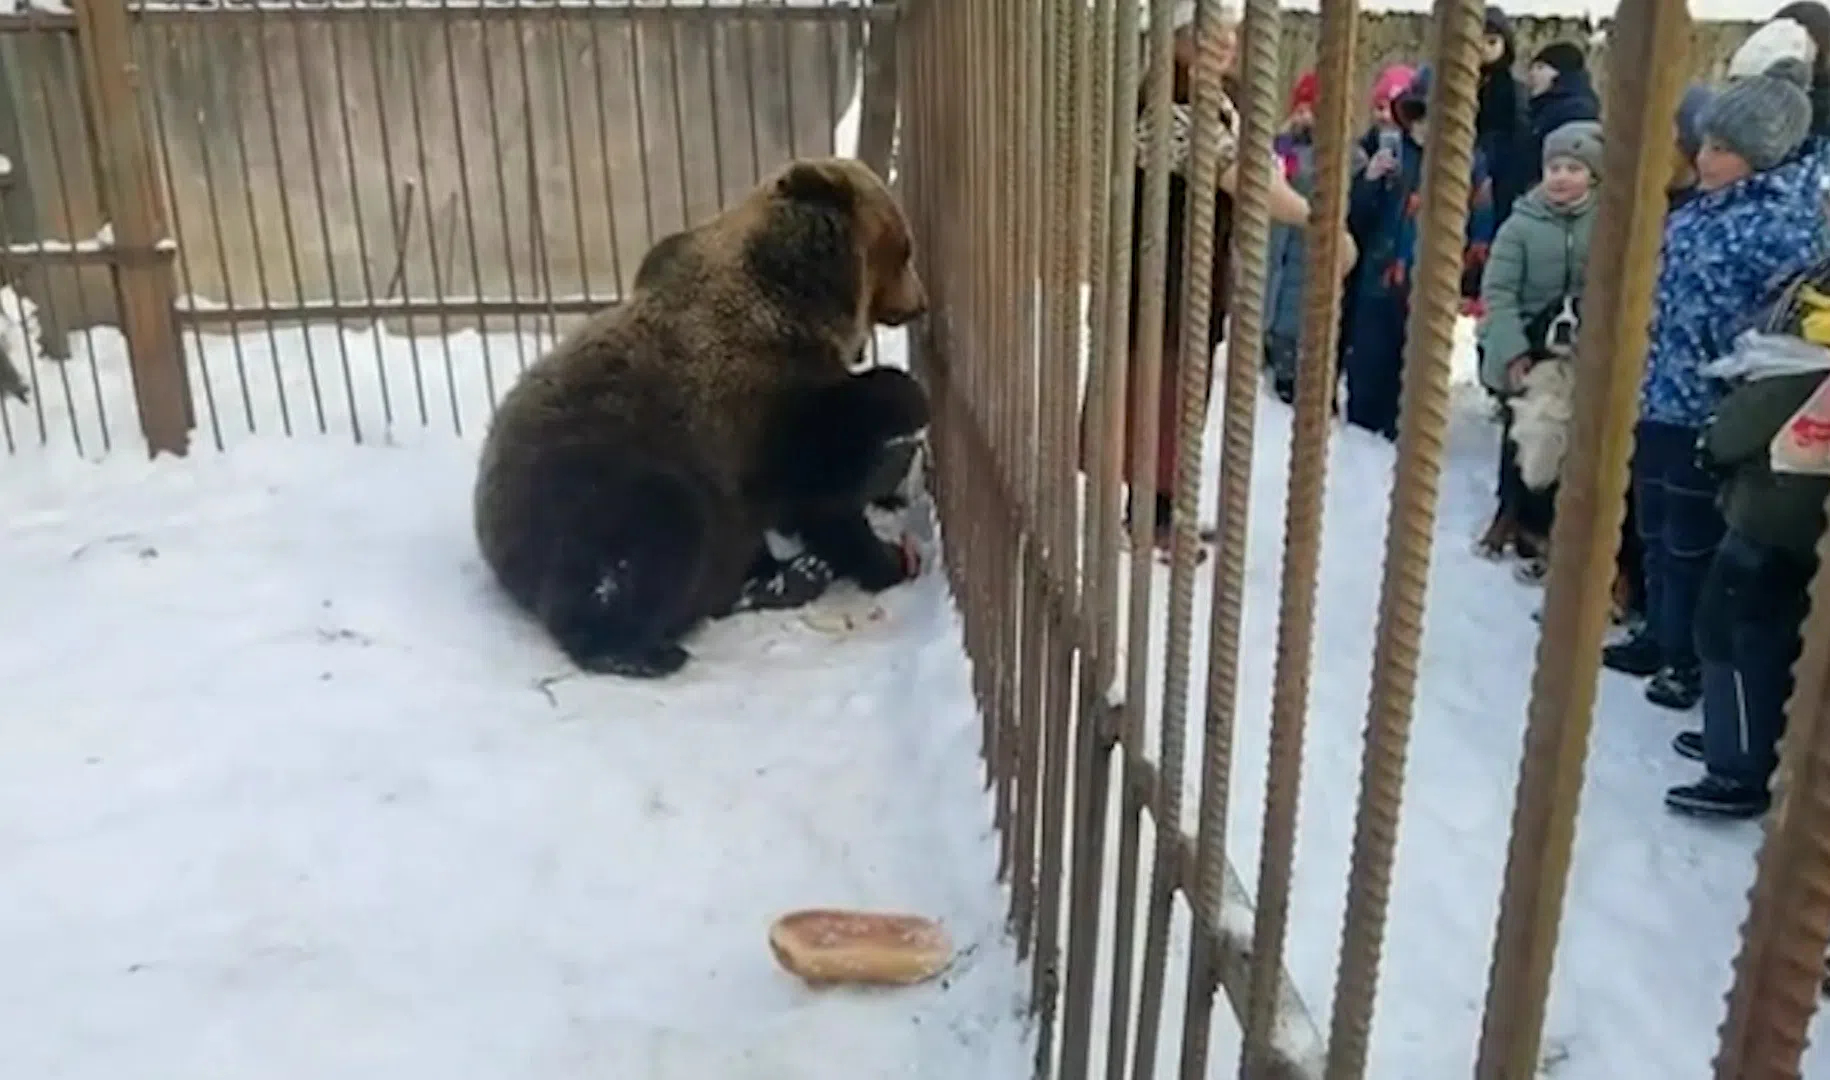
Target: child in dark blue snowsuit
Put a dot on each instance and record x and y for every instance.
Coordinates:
(1382, 216)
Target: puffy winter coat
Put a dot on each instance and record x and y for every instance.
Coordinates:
(1538, 258)
(1724, 254)
(1778, 510)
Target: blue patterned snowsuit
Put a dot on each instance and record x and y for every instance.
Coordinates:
(1724, 252)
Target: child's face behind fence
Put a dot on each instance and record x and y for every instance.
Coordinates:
(1718, 166)
(1566, 181)
(1540, 77)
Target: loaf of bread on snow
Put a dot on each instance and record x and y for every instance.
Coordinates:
(879, 948)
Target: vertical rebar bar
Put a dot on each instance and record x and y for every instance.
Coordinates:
(1397, 649)
(1194, 359)
(1641, 101)
(1244, 354)
(1141, 431)
(1104, 396)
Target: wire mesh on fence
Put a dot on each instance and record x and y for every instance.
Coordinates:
(376, 213)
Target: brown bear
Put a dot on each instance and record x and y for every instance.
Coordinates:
(630, 474)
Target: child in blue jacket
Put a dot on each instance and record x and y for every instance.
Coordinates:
(1382, 217)
(1758, 217)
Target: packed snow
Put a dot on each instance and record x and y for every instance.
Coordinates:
(290, 789)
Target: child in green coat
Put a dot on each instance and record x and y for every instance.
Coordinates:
(1532, 289)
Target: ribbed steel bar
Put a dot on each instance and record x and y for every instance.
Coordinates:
(1643, 84)
(1411, 522)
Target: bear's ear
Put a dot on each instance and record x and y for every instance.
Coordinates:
(819, 183)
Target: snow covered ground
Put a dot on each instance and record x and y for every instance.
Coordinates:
(289, 790)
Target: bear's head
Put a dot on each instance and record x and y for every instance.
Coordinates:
(833, 245)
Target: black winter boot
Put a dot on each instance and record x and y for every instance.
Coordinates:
(1637, 654)
(1714, 796)
(1678, 689)
(1688, 744)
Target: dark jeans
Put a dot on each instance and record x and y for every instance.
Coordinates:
(1747, 636)
(1532, 510)
(1679, 529)
(1373, 363)
(1630, 562)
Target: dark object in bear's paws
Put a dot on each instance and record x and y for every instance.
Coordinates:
(886, 569)
(850, 442)
(845, 541)
(778, 586)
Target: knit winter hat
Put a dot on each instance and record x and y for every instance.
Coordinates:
(1495, 22)
(1762, 118)
(1392, 82)
(1578, 139)
(1565, 56)
(1778, 40)
(1308, 91)
(1690, 118)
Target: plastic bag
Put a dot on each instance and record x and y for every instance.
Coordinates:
(1803, 443)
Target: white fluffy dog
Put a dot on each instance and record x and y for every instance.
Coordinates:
(1541, 421)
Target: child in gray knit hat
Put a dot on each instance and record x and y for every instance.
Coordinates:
(1532, 289)
(1755, 124)
(1578, 140)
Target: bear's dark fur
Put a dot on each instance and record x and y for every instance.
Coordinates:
(628, 478)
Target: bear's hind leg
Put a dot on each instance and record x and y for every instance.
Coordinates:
(615, 596)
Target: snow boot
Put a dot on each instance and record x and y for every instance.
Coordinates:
(1717, 797)
(1637, 654)
(1678, 689)
(1688, 744)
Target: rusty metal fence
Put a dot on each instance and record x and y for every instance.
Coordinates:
(277, 196)
(1109, 762)
(308, 216)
